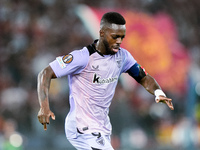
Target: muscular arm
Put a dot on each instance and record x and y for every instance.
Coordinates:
(150, 84)
(44, 80)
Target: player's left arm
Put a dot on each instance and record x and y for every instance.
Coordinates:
(150, 84)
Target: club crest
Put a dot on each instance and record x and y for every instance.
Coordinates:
(119, 63)
(100, 141)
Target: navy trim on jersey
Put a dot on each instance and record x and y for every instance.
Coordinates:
(79, 131)
(137, 72)
(95, 148)
(92, 49)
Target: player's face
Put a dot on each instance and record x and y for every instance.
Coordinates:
(113, 37)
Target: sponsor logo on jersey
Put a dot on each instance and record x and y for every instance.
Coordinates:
(98, 80)
(67, 58)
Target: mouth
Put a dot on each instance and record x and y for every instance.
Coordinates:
(115, 49)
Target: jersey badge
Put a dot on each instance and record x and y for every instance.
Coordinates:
(100, 141)
(67, 58)
(119, 63)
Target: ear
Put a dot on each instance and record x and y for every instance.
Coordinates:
(101, 33)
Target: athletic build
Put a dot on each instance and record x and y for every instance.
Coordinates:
(93, 73)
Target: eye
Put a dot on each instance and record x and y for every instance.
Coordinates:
(114, 37)
(117, 36)
(123, 37)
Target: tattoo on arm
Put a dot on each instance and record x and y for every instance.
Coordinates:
(44, 80)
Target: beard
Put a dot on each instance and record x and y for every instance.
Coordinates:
(107, 48)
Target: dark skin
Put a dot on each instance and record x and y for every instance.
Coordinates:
(44, 80)
(111, 36)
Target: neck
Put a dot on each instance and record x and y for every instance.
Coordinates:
(100, 47)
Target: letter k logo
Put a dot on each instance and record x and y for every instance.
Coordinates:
(96, 78)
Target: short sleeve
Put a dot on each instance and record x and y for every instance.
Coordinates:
(72, 63)
(129, 61)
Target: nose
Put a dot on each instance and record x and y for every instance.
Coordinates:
(119, 40)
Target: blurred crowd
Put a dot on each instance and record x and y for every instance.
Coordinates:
(34, 32)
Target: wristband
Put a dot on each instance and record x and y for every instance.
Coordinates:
(158, 93)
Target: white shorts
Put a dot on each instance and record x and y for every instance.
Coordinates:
(93, 141)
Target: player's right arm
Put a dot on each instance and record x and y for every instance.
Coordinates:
(43, 84)
(72, 63)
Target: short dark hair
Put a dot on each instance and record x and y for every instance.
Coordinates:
(113, 17)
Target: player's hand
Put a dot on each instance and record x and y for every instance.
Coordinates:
(44, 115)
(165, 100)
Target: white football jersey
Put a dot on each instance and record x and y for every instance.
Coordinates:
(92, 81)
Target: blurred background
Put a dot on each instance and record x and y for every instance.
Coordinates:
(162, 35)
